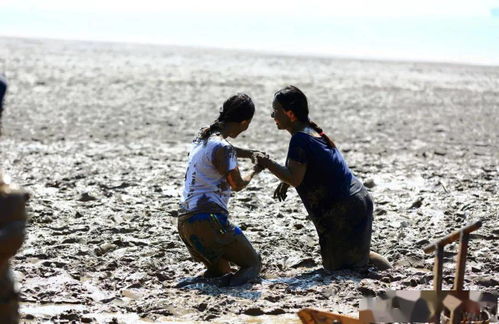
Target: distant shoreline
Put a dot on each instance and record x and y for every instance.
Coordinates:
(257, 52)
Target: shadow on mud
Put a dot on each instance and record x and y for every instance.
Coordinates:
(316, 278)
(302, 281)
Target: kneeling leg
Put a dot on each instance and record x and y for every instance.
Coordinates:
(242, 253)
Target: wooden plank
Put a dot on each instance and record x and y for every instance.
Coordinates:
(437, 269)
(437, 278)
(461, 261)
(452, 237)
(312, 316)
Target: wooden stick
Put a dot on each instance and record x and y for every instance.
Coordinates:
(437, 269)
(437, 278)
(461, 261)
(452, 237)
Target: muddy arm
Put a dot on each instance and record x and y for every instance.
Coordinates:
(245, 153)
(292, 173)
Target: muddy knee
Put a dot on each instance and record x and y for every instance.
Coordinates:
(250, 271)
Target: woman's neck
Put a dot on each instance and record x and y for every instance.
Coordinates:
(226, 130)
(297, 126)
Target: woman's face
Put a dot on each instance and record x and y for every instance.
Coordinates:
(281, 119)
(239, 128)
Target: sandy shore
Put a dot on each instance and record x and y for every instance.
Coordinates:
(99, 133)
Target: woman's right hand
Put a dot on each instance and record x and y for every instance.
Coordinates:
(262, 158)
(281, 191)
(254, 155)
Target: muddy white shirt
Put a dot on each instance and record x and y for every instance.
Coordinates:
(206, 189)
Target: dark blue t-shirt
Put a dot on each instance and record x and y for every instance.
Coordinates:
(327, 178)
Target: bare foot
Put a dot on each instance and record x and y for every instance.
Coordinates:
(379, 261)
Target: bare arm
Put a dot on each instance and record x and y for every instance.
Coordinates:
(236, 181)
(244, 153)
(292, 173)
(247, 153)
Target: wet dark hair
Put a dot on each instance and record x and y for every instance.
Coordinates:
(292, 98)
(237, 108)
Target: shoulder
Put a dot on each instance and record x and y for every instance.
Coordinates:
(221, 149)
(216, 144)
(299, 139)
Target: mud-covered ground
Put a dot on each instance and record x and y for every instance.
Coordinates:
(98, 134)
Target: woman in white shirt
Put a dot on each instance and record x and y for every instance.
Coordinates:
(212, 173)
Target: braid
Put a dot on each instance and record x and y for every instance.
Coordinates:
(322, 134)
(206, 132)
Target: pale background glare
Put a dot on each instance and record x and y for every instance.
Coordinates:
(276, 7)
(444, 30)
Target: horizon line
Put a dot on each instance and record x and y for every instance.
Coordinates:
(263, 52)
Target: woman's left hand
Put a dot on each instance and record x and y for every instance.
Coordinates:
(255, 153)
(281, 191)
(261, 158)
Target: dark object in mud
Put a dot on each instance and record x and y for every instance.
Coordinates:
(254, 311)
(417, 203)
(222, 281)
(306, 263)
(369, 183)
(86, 197)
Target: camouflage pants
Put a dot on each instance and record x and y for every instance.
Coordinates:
(213, 240)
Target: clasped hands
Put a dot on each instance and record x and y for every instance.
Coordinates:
(262, 161)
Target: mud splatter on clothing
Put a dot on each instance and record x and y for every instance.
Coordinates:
(211, 237)
(206, 188)
(337, 202)
(344, 230)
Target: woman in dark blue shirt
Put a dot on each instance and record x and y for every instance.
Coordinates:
(336, 201)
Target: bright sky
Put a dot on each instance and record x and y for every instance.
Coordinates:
(330, 8)
(442, 30)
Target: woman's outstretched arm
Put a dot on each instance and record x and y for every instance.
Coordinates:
(292, 173)
(234, 178)
(238, 182)
(246, 153)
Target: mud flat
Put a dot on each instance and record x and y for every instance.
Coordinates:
(98, 134)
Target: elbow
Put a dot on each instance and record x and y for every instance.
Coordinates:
(237, 187)
(294, 182)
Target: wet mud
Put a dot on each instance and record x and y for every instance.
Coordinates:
(98, 134)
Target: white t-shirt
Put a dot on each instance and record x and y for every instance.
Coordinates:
(206, 189)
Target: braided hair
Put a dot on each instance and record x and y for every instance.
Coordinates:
(237, 108)
(292, 98)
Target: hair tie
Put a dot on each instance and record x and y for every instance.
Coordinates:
(322, 134)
